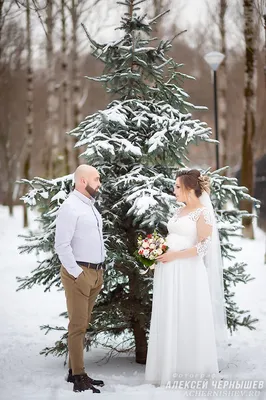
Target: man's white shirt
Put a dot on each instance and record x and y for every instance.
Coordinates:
(78, 233)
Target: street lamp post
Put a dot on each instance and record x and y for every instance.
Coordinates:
(214, 59)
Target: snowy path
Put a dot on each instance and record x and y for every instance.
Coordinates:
(27, 375)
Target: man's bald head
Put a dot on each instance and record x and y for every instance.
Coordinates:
(87, 180)
(84, 171)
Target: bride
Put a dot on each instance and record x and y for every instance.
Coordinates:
(188, 333)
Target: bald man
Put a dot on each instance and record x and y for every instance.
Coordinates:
(80, 248)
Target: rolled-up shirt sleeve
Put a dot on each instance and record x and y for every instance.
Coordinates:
(65, 227)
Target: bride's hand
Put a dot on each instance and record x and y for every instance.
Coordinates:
(167, 257)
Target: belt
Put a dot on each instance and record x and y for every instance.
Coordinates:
(91, 265)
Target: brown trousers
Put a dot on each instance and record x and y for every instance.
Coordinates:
(80, 294)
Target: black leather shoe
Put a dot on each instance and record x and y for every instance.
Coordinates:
(96, 382)
(81, 383)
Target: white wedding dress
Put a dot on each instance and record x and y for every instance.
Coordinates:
(182, 333)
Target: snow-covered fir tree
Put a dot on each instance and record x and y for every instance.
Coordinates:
(137, 144)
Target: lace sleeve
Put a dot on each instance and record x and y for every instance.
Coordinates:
(202, 246)
(206, 216)
(204, 231)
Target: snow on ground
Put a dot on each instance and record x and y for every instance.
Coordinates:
(25, 374)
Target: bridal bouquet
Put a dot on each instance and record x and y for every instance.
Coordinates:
(149, 249)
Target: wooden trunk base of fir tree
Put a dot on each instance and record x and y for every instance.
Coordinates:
(140, 342)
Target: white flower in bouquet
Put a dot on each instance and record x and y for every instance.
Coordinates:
(146, 253)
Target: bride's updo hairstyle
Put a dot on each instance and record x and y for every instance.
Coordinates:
(192, 179)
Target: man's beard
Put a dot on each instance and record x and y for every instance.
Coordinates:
(91, 191)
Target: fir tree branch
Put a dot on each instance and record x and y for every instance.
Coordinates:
(93, 42)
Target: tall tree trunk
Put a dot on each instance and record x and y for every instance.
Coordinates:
(249, 126)
(9, 169)
(76, 88)
(9, 158)
(68, 142)
(264, 20)
(223, 86)
(1, 25)
(52, 111)
(139, 332)
(140, 342)
(29, 118)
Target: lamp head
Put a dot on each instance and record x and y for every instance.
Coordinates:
(214, 59)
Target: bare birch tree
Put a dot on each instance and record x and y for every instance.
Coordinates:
(249, 125)
(264, 24)
(11, 37)
(29, 101)
(222, 89)
(75, 12)
(52, 112)
(1, 24)
(66, 114)
(76, 87)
